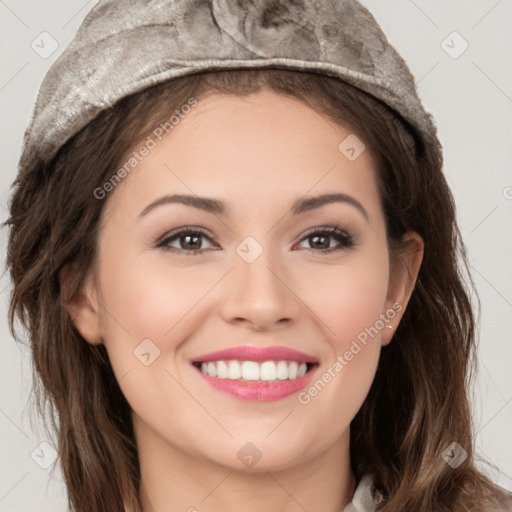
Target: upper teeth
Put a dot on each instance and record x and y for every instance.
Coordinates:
(251, 370)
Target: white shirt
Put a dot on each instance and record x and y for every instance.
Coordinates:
(363, 500)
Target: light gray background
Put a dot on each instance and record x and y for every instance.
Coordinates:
(471, 99)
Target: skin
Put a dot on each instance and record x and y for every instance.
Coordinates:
(258, 154)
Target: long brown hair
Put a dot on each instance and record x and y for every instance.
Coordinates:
(418, 403)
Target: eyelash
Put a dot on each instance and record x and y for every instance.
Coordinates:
(347, 241)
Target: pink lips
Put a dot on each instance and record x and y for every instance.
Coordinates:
(260, 391)
(258, 354)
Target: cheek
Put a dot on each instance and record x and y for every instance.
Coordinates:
(150, 312)
(349, 297)
(150, 300)
(349, 301)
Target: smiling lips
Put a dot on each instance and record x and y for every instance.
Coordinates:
(256, 373)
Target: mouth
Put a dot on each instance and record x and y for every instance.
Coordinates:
(251, 371)
(257, 373)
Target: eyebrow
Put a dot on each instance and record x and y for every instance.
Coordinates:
(218, 207)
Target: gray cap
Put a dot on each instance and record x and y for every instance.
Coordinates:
(124, 46)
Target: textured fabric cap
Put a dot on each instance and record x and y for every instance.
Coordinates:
(125, 46)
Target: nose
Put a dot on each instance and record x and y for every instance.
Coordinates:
(260, 294)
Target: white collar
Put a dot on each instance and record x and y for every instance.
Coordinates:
(363, 500)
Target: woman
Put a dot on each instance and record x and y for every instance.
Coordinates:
(235, 252)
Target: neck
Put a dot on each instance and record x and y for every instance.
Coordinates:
(172, 479)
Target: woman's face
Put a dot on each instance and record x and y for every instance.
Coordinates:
(263, 279)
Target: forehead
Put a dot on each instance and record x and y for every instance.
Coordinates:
(254, 149)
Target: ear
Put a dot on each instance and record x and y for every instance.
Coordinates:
(82, 306)
(402, 281)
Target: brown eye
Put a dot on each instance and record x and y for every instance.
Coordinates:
(186, 240)
(321, 239)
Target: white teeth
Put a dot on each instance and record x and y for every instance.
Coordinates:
(222, 370)
(234, 370)
(251, 370)
(269, 370)
(212, 369)
(282, 370)
(292, 370)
